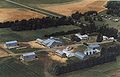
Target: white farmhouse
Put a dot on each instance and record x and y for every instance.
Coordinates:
(82, 37)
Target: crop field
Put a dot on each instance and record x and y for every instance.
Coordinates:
(82, 6)
(10, 12)
(14, 68)
(7, 34)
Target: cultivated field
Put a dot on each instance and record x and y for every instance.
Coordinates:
(82, 6)
(11, 14)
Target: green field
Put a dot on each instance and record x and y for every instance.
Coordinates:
(14, 68)
(7, 34)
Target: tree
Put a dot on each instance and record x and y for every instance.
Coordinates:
(99, 38)
(75, 38)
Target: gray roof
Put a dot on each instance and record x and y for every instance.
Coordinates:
(49, 42)
(29, 54)
(80, 55)
(94, 46)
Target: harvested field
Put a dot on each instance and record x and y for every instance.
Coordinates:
(8, 14)
(3, 53)
(81, 6)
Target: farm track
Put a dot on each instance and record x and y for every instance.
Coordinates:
(39, 10)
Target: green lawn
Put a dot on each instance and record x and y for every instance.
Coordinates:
(7, 35)
(14, 68)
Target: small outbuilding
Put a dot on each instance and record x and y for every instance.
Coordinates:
(11, 44)
(82, 37)
(28, 56)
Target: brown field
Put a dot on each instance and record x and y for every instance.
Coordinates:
(33, 44)
(3, 53)
(83, 6)
(8, 14)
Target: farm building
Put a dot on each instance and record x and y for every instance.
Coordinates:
(59, 53)
(68, 52)
(82, 37)
(80, 55)
(50, 42)
(91, 51)
(11, 44)
(108, 38)
(105, 38)
(94, 46)
(28, 56)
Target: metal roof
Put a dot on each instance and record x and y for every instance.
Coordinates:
(94, 46)
(59, 52)
(68, 53)
(10, 42)
(80, 55)
(29, 54)
(50, 41)
(81, 36)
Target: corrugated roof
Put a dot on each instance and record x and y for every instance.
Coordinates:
(10, 42)
(94, 46)
(29, 54)
(80, 55)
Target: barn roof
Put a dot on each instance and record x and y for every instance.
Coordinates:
(29, 54)
(10, 42)
(80, 55)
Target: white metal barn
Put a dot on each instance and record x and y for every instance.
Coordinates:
(28, 56)
(82, 37)
(11, 44)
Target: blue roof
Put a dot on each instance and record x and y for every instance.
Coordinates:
(11, 42)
